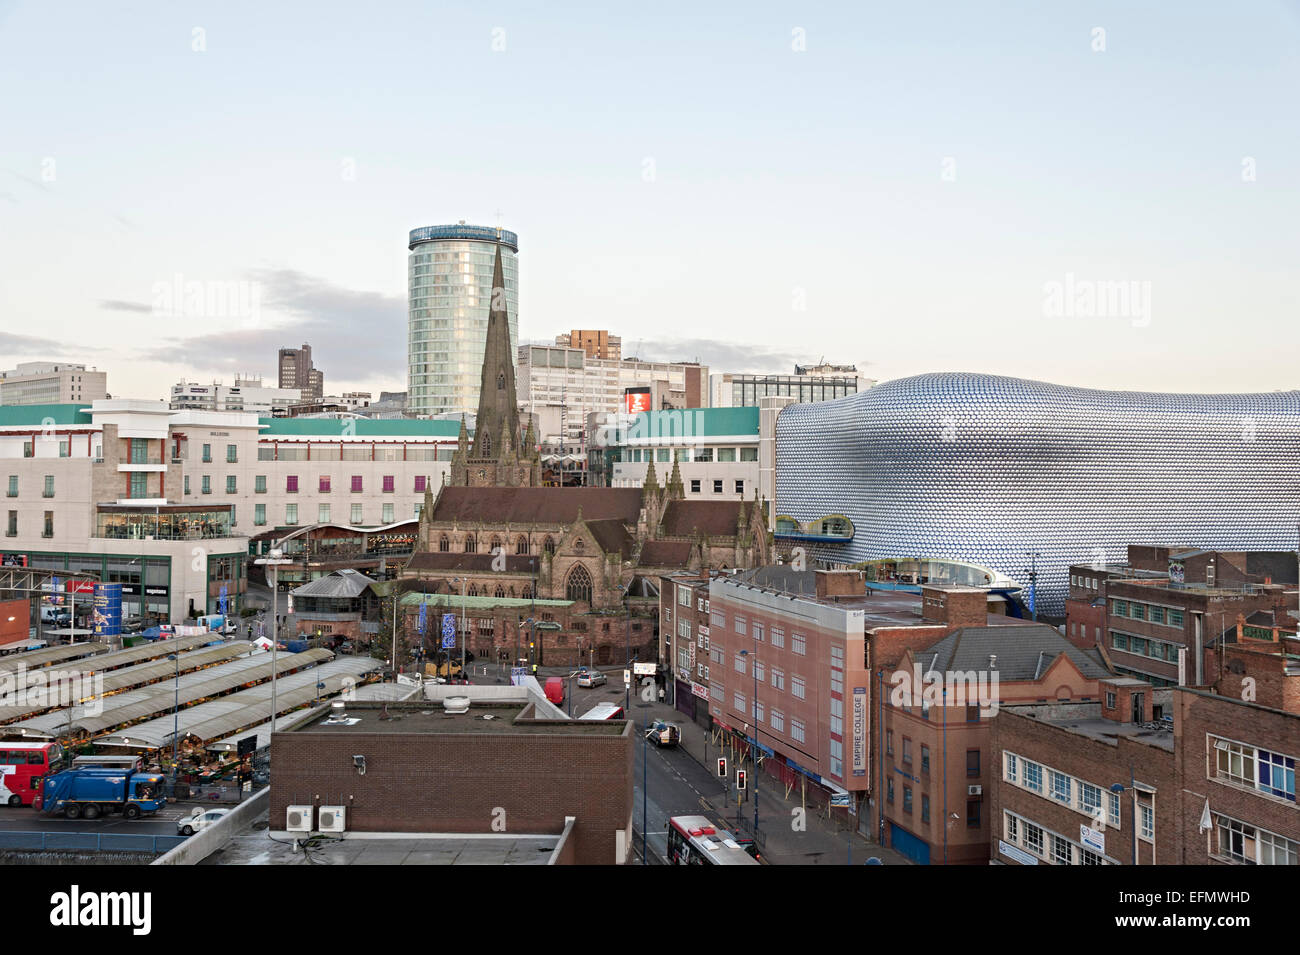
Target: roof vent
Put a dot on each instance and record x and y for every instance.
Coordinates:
(455, 704)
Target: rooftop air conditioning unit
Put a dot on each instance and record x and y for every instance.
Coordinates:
(298, 819)
(974, 790)
(332, 819)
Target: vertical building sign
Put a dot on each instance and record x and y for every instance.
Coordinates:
(859, 731)
(107, 612)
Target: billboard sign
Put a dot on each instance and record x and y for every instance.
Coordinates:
(636, 400)
(107, 613)
(449, 631)
(859, 731)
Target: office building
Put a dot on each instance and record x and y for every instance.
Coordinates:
(297, 371)
(246, 394)
(808, 383)
(50, 383)
(595, 343)
(449, 297)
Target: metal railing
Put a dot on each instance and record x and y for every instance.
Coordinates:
(88, 841)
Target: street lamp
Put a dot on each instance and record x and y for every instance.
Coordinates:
(753, 665)
(176, 706)
(1117, 789)
(627, 686)
(273, 559)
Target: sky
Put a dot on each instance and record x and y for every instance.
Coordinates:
(1095, 194)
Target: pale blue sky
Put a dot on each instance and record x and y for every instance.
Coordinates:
(779, 177)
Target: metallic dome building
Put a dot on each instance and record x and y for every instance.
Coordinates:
(1004, 474)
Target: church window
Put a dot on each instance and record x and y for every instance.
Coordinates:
(579, 586)
(469, 544)
(521, 545)
(444, 543)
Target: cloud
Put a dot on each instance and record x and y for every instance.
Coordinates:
(26, 345)
(354, 335)
(116, 305)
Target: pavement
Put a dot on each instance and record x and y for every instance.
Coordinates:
(683, 780)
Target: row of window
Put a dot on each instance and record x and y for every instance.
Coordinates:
(470, 544)
(232, 453)
(1152, 613)
(323, 514)
(722, 455)
(798, 728)
(974, 807)
(1145, 646)
(1045, 844)
(798, 642)
(973, 770)
(1088, 583)
(11, 527)
(46, 491)
(1272, 774)
(1245, 844)
(1078, 794)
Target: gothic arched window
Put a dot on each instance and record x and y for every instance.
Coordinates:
(501, 382)
(444, 543)
(579, 585)
(521, 546)
(469, 544)
(501, 591)
(549, 546)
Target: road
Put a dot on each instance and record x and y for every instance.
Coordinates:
(27, 819)
(677, 784)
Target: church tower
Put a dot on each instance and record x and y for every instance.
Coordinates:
(498, 456)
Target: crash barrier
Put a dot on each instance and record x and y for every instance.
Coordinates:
(207, 841)
(88, 841)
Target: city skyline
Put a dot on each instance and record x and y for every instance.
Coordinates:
(803, 197)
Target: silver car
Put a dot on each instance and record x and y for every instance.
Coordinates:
(590, 678)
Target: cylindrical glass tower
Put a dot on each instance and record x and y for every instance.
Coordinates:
(449, 279)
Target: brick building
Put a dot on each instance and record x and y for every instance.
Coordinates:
(684, 639)
(400, 768)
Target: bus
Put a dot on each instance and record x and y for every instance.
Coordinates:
(694, 840)
(23, 766)
(604, 711)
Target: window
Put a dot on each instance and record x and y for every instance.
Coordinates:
(1146, 822)
(974, 813)
(232, 454)
(695, 486)
(925, 808)
(715, 691)
(837, 717)
(759, 711)
(1090, 799)
(718, 619)
(322, 513)
(1033, 839)
(907, 751)
(468, 546)
(778, 721)
(1112, 810)
(324, 484)
(259, 514)
(797, 687)
(356, 514)
(390, 484)
(1174, 618)
(1270, 773)
(739, 701)
(758, 632)
(1060, 850)
(683, 597)
(740, 662)
(797, 644)
(387, 517)
(1110, 700)
(760, 672)
(207, 484)
(717, 487)
(740, 625)
(49, 486)
(49, 524)
(889, 742)
(579, 584)
(907, 799)
(1033, 776)
(1013, 828)
(837, 758)
(1061, 786)
(444, 544)
(291, 484)
(778, 679)
(11, 530)
(356, 484)
(749, 454)
(1012, 773)
(740, 487)
(1157, 614)
(1277, 775)
(889, 791)
(259, 484)
(13, 486)
(797, 730)
(207, 454)
(925, 758)
(187, 484)
(972, 764)
(230, 484)
(291, 514)
(778, 637)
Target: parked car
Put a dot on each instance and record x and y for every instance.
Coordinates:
(590, 678)
(199, 820)
(555, 690)
(664, 734)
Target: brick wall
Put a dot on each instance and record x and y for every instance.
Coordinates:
(455, 783)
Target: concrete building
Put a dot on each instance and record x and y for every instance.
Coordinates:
(808, 383)
(51, 383)
(716, 450)
(450, 294)
(132, 484)
(246, 395)
(402, 769)
(296, 370)
(576, 385)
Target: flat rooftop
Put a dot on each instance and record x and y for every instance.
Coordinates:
(429, 719)
(252, 847)
(1094, 727)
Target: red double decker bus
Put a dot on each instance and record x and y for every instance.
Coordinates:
(23, 766)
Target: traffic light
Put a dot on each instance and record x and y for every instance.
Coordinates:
(740, 780)
(722, 767)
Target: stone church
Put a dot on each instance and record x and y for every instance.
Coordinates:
(501, 535)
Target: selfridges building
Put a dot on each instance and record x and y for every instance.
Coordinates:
(984, 480)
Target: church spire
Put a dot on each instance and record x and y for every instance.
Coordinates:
(498, 410)
(675, 489)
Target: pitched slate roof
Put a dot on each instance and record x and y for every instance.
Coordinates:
(665, 554)
(1024, 652)
(479, 563)
(612, 536)
(537, 505)
(341, 584)
(715, 518)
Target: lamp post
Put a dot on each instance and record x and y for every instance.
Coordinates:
(273, 559)
(1118, 788)
(753, 665)
(627, 686)
(176, 707)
